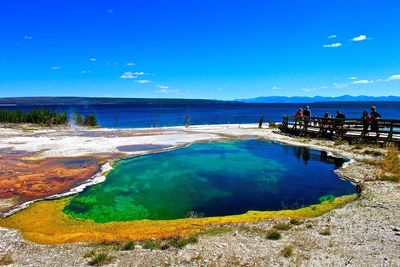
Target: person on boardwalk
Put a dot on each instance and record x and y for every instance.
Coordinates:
(340, 122)
(375, 117)
(340, 115)
(299, 112)
(299, 117)
(307, 115)
(307, 112)
(366, 121)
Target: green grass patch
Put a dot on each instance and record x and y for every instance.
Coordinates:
(273, 234)
(340, 142)
(391, 166)
(282, 226)
(98, 259)
(390, 178)
(287, 251)
(326, 231)
(152, 244)
(129, 245)
(179, 242)
(216, 231)
(295, 222)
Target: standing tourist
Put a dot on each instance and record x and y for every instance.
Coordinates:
(375, 117)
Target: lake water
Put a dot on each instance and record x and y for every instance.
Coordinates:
(212, 179)
(153, 115)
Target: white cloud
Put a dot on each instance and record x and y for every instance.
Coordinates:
(332, 36)
(130, 64)
(394, 77)
(56, 68)
(128, 75)
(339, 85)
(276, 88)
(143, 81)
(359, 38)
(162, 86)
(353, 78)
(92, 59)
(138, 73)
(28, 37)
(85, 71)
(309, 89)
(165, 91)
(362, 82)
(332, 45)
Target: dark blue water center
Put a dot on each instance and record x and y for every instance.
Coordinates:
(212, 179)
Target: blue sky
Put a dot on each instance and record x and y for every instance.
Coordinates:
(199, 49)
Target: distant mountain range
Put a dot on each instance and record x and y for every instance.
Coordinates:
(314, 99)
(46, 101)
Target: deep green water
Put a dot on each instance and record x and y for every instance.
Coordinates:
(210, 179)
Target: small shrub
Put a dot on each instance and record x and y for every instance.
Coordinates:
(390, 178)
(287, 251)
(217, 231)
(367, 152)
(6, 259)
(272, 234)
(391, 163)
(165, 246)
(339, 142)
(129, 246)
(178, 242)
(309, 226)
(357, 147)
(89, 254)
(326, 231)
(272, 125)
(151, 244)
(98, 259)
(377, 153)
(282, 226)
(295, 222)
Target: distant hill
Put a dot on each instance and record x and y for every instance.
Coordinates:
(301, 99)
(46, 101)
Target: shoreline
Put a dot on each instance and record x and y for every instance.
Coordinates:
(100, 176)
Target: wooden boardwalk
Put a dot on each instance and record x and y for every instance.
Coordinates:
(353, 130)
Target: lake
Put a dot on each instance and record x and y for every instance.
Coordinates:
(152, 115)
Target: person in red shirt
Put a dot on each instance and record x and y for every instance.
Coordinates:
(299, 112)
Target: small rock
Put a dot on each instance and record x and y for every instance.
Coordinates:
(137, 247)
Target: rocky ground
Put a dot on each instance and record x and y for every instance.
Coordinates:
(365, 232)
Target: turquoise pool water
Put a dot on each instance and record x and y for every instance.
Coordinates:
(212, 179)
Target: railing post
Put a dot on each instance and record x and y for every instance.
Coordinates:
(390, 135)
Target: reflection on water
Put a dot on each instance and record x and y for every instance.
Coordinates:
(304, 154)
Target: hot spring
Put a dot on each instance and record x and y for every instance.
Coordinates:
(212, 179)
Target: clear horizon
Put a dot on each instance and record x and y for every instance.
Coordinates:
(225, 50)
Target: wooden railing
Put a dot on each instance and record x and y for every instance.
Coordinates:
(353, 130)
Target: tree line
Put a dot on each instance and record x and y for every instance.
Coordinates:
(44, 117)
